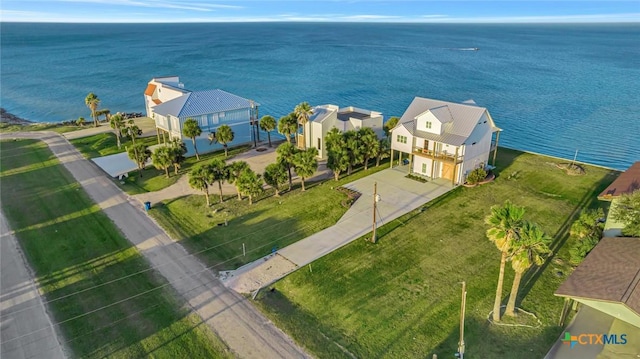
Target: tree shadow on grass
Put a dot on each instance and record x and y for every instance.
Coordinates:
(484, 340)
(588, 200)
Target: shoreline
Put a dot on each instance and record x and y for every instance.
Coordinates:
(7, 117)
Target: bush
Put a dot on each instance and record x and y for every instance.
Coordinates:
(581, 248)
(476, 176)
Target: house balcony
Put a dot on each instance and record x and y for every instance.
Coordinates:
(437, 155)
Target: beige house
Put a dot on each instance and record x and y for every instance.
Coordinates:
(444, 139)
(627, 183)
(326, 117)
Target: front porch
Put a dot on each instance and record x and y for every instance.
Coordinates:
(443, 156)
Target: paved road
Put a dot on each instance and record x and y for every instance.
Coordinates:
(398, 196)
(242, 327)
(24, 333)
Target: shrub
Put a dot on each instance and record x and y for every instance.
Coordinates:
(581, 248)
(476, 176)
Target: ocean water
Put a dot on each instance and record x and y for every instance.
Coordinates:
(554, 89)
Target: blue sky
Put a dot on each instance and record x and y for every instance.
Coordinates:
(313, 10)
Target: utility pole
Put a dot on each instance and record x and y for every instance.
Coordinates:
(376, 198)
(460, 353)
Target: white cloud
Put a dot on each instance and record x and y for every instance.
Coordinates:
(628, 17)
(161, 4)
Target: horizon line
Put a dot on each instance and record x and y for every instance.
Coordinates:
(324, 21)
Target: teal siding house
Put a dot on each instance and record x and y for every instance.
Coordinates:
(170, 105)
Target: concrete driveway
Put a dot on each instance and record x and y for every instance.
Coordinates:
(399, 195)
(592, 321)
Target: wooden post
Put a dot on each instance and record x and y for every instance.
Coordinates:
(410, 162)
(455, 168)
(391, 162)
(565, 310)
(462, 313)
(375, 203)
(495, 151)
(164, 139)
(433, 165)
(244, 252)
(158, 134)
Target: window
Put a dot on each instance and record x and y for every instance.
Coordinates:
(427, 124)
(319, 145)
(401, 139)
(424, 168)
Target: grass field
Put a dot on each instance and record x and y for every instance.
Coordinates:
(6, 127)
(72, 246)
(400, 298)
(270, 222)
(104, 144)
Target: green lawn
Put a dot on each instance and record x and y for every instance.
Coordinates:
(270, 222)
(56, 127)
(104, 144)
(72, 246)
(400, 298)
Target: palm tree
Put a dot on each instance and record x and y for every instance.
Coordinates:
(303, 111)
(369, 145)
(306, 163)
(80, 121)
(530, 249)
(117, 123)
(250, 183)
(505, 222)
(161, 159)
(354, 148)
(391, 123)
(191, 129)
(275, 175)
(268, 124)
(139, 154)
(225, 136)
(384, 146)
(286, 152)
(106, 112)
(337, 153)
(199, 178)
(235, 169)
(287, 126)
(92, 101)
(177, 149)
(219, 173)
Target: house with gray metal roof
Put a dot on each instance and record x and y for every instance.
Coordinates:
(444, 139)
(326, 117)
(170, 105)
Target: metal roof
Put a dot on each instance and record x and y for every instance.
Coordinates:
(458, 120)
(321, 113)
(627, 183)
(611, 273)
(203, 102)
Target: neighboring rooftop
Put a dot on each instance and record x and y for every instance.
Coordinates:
(203, 102)
(626, 183)
(610, 273)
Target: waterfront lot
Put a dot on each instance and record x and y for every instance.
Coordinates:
(270, 223)
(99, 288)
(400, 298)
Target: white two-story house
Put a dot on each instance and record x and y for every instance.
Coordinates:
(326, 117)
(170, 105)
(444, 139)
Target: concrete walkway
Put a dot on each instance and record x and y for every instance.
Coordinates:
(399, 195)
(242, 327)
(588, 320)
(24, 333)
